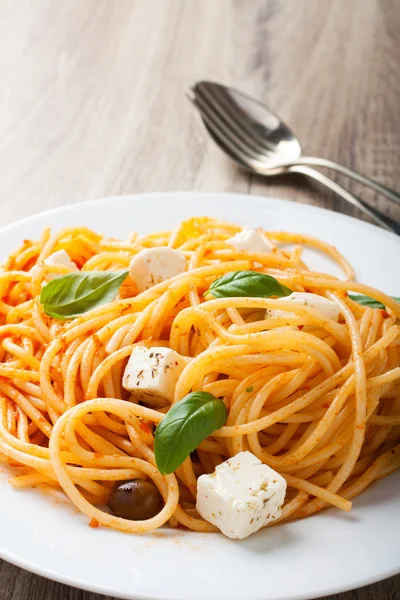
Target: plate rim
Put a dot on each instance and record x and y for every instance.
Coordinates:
(137, 196)
(99, 589)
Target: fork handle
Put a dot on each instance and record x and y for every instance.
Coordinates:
(330, 164)
(379, 217)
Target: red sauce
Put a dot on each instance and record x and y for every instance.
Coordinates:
(144, 426)
(94, 523)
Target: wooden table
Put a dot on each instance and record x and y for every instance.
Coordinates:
(92, 104)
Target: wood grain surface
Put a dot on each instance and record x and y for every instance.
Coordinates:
(92, 104)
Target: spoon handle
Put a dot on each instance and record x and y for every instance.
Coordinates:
(330, 164)
(380, 218)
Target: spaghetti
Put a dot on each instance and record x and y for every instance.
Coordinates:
(315, 399)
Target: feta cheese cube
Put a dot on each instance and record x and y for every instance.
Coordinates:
(326, 307)
(241, 496)
(57, 259)
(251, 240)
(154, 265)
(151, 374)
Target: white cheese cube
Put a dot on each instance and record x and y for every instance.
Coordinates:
(154, 265)
(251, 240)
(151, 374)
(60, 258)
(325, 307)
(241, 496)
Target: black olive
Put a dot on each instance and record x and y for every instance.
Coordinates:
(136, 500)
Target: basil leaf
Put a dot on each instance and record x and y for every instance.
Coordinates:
(367, 301)
(249, 284)
(185, 425)
(71, 295)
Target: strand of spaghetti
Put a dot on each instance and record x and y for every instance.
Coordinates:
(165, 304)
(361, 397)
(86, 361)
(19, 329)
(192, 522)
(11, 373)
(280, 393)
(51, 242)
(49, 395)
(71, 373)
(14, 276)
(290, 508)
(118, 441)
(32, 412)
(347, 286)
(139, 444)
(389, 469)
(299, 403)
(68, 353)
(261, 258)
(323, 426)
(39, 322)
(23, 309)
(250, 412)
(108, 259)
(22, 425)
(105, 366)
(337, 330)
(370, 474)
(23, 452)
(136, 322)
(309, 473)
(324, 494)
(171, 500)
(360, 415)
(296, 341)
(385, 420)
(388, 377)
(31, 480)
(264, 303)
(300, 238)
(282, 440)
(373, 328)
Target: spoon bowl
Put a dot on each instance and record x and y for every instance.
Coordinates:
(271, 140)
(258, 140)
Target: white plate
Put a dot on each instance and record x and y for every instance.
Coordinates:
(324, 554)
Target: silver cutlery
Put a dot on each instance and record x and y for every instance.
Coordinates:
(256, 138)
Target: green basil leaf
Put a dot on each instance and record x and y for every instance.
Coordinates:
(249, 284)
(186, 424)
(71, 295)
(367, 301)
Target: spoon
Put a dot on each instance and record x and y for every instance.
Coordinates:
(253, 136)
